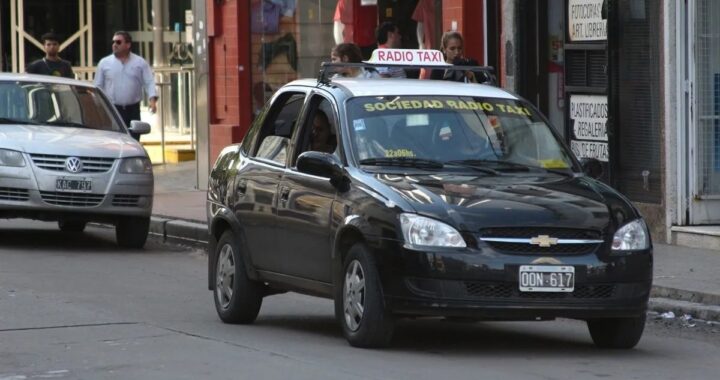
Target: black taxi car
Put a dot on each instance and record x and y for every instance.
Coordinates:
(401, 197)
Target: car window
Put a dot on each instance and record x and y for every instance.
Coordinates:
(451, 129)
(60, 105)
(278, 126)
(273, 149)
(319, 131)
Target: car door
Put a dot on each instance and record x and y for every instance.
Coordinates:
(258, 177)
(305, 204)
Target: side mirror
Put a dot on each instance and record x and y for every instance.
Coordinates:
(139, 127)
(592, 167)
(322, 165)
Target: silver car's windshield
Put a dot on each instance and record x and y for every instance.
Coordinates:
(452, 130)
(53, 104)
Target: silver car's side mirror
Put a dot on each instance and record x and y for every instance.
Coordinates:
(139, 127)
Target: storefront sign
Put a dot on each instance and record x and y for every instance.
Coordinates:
(588, 118)
(585, 20)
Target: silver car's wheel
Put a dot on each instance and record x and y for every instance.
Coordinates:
(237, 297)
(354, 295)
(225, 276)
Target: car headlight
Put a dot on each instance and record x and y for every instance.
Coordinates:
(633, 236)
(136, 165)
(11, 158)
(420, 231)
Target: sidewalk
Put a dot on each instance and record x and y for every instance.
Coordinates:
(687, 280)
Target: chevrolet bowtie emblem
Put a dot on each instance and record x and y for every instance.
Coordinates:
(543, 241)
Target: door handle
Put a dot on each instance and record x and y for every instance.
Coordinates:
(284, 194)
(241, 186)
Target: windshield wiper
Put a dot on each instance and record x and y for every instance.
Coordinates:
(515, 166)
(64, 123)
(8, 120)
(403, 161)
(475, 165)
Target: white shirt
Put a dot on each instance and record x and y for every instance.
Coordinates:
(123, 83)
(363, 74)
(392, 72)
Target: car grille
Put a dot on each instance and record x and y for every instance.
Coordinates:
(12, 194)
(529, 233)
(72, 199)
(125, 200)
(501, 290)
(57, 163)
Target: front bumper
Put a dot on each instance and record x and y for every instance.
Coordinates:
(30, 192)
(482, 283)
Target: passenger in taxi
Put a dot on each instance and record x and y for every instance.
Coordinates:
(323, 139)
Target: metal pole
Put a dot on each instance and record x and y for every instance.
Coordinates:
(21, 35)
(89, 40)
(158, 56)
(13, 35)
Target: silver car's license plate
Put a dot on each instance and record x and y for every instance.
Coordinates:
(73, 185)
(546, 278)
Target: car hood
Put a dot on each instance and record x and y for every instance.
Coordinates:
(549, 200)
(39, 139)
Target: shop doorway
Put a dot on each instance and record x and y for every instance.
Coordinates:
(541, 65)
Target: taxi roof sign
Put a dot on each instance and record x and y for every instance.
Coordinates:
(408, 57)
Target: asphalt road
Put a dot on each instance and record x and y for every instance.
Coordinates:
(78, 307)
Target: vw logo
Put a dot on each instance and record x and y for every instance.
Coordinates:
(73, 165)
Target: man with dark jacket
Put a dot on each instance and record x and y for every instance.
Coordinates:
(51, 64)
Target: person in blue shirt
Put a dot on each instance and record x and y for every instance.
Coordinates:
(123, 76)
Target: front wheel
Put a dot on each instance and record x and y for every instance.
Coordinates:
(616, 332)
(359, 303)
(237, 297)
(132, 232)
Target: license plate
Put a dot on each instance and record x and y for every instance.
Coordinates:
(546, 278)
(73, 185)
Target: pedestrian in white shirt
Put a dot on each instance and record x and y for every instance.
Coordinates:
(122, 76)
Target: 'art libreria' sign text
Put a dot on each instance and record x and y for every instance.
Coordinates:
(585, 20)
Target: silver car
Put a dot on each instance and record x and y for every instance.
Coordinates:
(66, 156)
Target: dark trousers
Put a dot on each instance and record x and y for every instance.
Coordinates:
(129, 113)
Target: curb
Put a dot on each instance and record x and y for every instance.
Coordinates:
(698, 311)
(699, 305)
(178, 230)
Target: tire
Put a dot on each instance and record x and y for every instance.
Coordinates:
(371, 325)
(237, 297)
(132, 232)
(616, 332)
(71, 226)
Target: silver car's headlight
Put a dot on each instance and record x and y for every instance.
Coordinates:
(11, 158)
(136, 165)
(420, 232)
(633, 236)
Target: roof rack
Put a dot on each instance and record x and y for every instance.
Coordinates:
(329, 68)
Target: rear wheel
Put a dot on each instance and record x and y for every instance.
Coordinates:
(132, 232)
(616, 332)
(359, 303)
(71, 226)
(237, 297)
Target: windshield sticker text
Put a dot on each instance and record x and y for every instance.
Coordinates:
(399, 153)
(447, 104)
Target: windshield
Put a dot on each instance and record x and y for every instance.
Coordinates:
(60, 105)
(453, 130)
